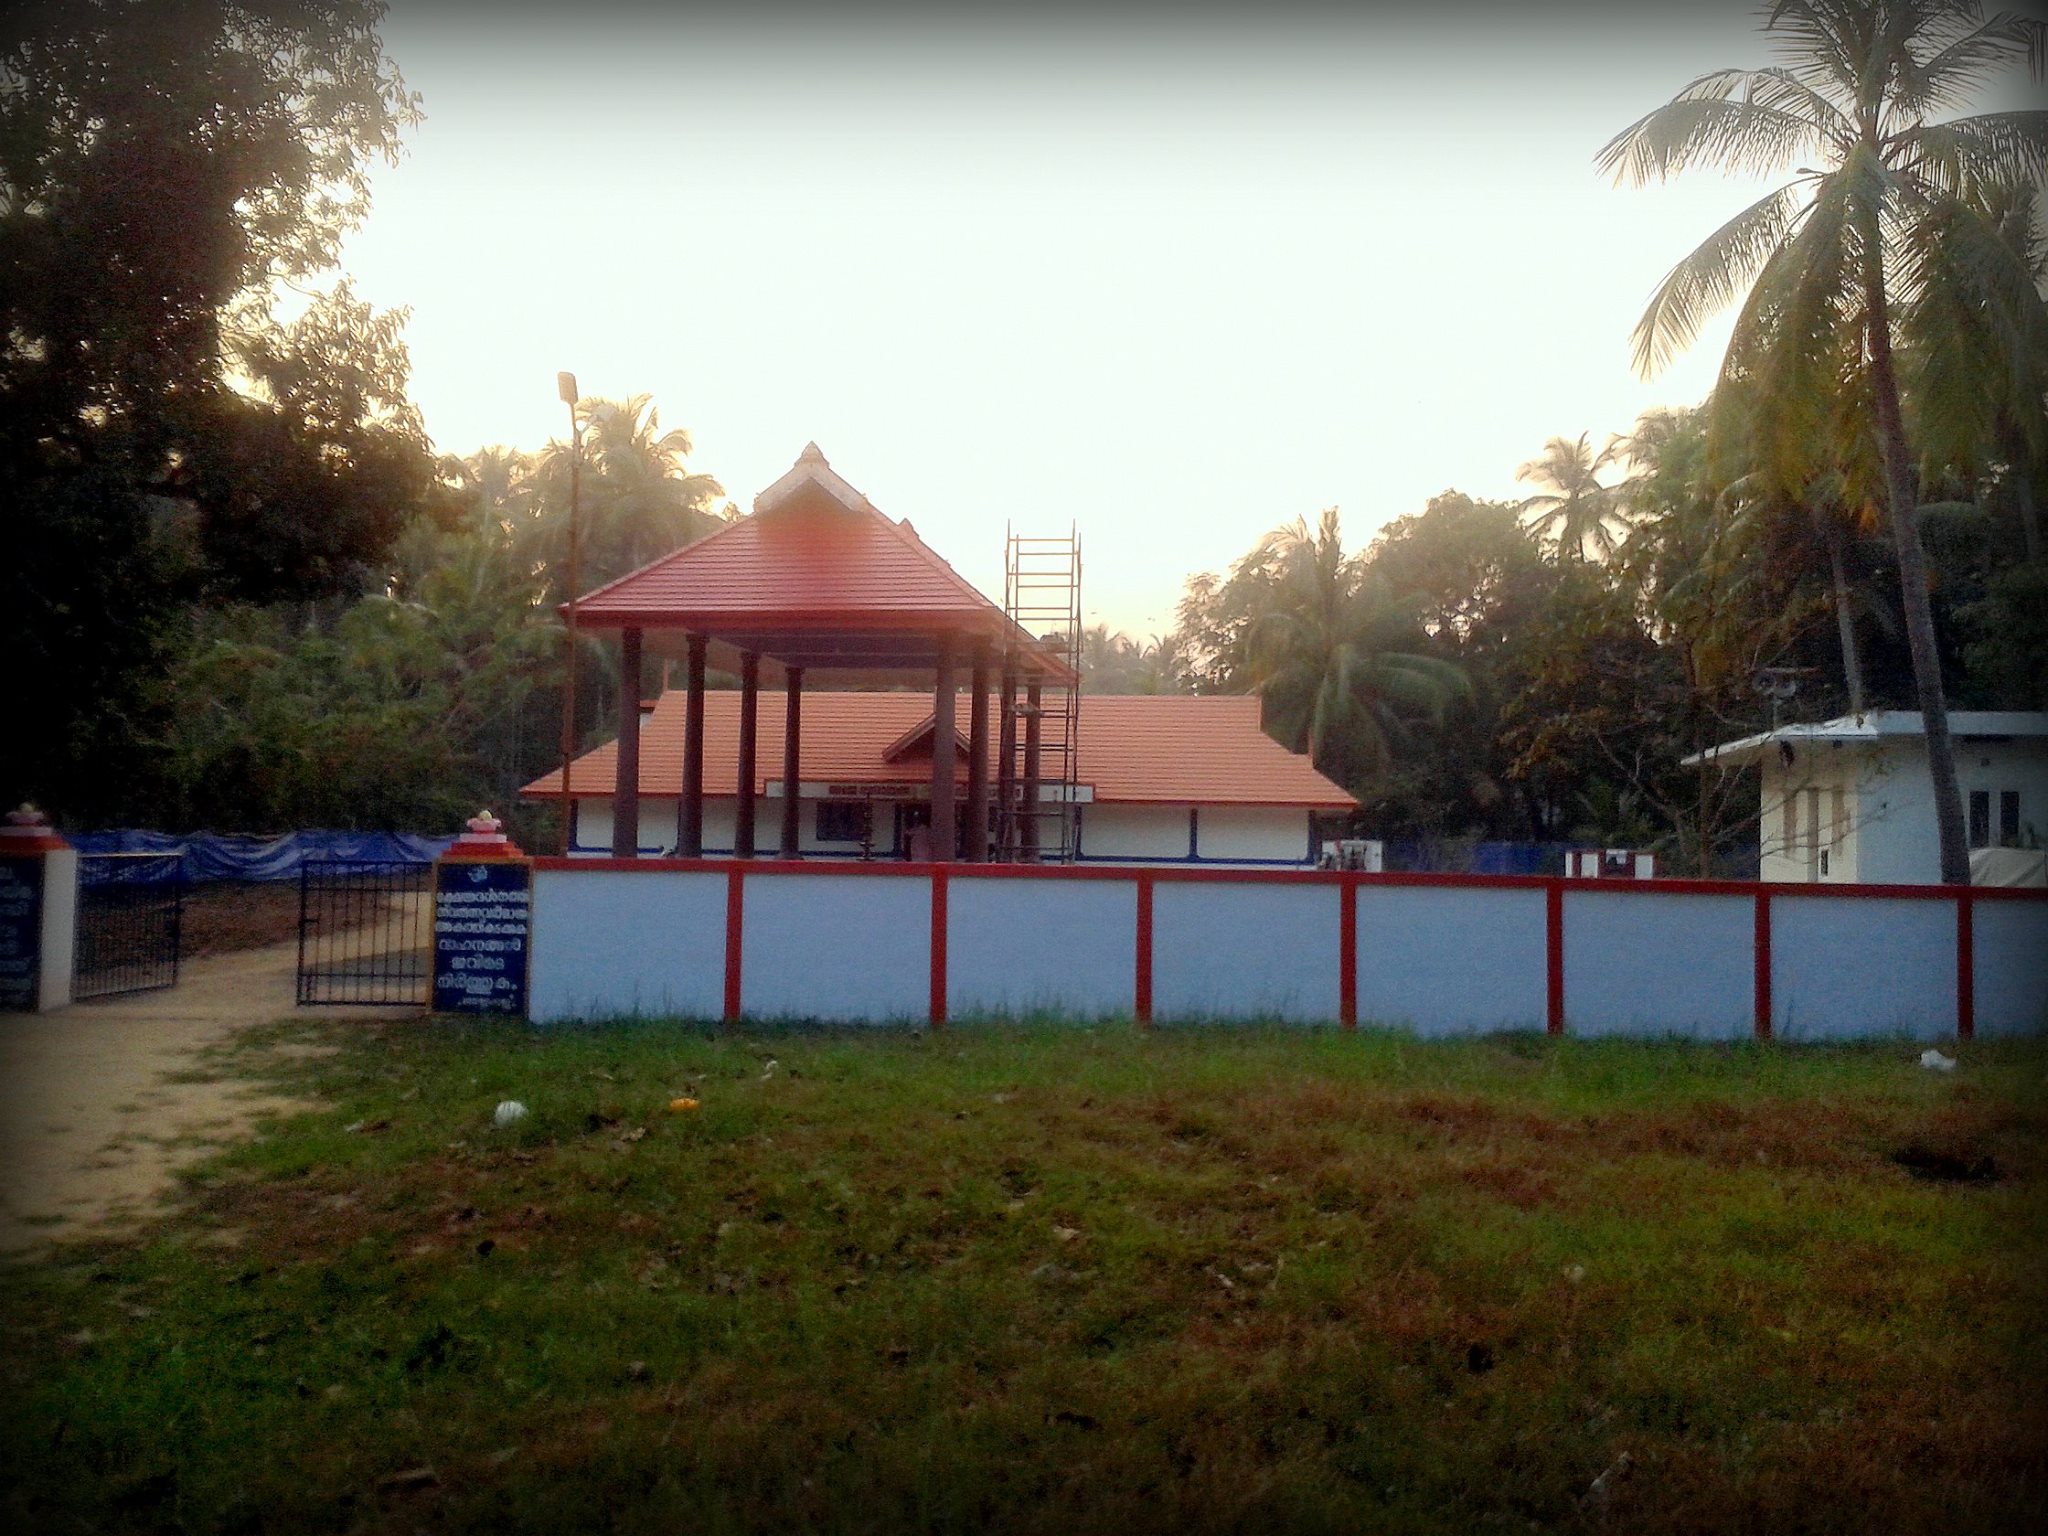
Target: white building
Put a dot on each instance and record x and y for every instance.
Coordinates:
(1850, 801)
(1160, 779)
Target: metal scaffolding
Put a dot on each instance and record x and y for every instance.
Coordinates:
(1040, 728)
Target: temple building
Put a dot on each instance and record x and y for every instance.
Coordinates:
(817, 594)
(1162, 779)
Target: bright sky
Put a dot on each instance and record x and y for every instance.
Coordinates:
(1174, 284)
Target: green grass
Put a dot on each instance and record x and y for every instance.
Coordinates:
(1064, 1279)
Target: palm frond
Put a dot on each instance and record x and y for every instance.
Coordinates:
(1725, 264)
(1820, 42)
(1702, 125)
(1786, 352)
(1968, 58)
(1975, 335)
(1781, 90)
(1988, 149)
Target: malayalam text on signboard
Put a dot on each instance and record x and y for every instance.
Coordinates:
(480, 934)
(21, 933)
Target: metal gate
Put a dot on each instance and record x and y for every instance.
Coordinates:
(131, 910)
(366, 932)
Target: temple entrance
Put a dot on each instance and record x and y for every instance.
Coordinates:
(366, 932)
(130, 912)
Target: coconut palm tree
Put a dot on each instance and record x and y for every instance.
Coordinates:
(640, 499)
(1988, 423)
(1325, 653)
(1804, 483)
(1577, 513)
(1879, 186)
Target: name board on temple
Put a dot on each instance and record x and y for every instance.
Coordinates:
(482, 922)
(21, 933)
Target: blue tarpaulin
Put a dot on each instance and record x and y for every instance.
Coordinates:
(215, 856)
(1460, 856)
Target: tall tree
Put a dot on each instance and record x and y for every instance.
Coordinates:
(1112, 662)
(1337, 660)
(1577, 512)
(166, 166)
(1878, 182)
(640, 498)
(1475, 579)
(1988, 426)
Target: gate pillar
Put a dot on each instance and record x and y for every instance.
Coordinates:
(38, 914)
(483, 893)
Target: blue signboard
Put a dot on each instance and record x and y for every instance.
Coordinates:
(21, 933)
(481, 924)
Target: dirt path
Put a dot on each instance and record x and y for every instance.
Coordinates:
(95, 1120)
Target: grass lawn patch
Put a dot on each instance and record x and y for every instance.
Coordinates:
(1065, 1279)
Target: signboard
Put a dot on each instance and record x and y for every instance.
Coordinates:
(481, 926)
(21, 933)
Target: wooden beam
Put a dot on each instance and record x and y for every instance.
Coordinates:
(977, 760)
(1006, 769)
(945, 751)
(626, 779)
(690, 810)
(1027, 812)
(750, 699)
(792, 760)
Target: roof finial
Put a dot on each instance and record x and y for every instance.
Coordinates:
(812, 454)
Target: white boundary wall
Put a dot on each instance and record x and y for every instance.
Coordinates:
(607, 943)
(1036, 948)
(1673, 965)
(1225, 951)
(1451, 961)
(841, 947)
(1441, 955)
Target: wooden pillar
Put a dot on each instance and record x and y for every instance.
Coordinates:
(1027, 826)
(943, 756)
(977, 760)
(626, 781)
(690, 811)
(1006, 769)
(792, 764)
(750, 698)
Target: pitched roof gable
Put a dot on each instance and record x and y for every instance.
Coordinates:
(921, 740)
(816, 551)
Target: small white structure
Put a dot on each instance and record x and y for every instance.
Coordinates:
(1610, 864)
(1850, 801)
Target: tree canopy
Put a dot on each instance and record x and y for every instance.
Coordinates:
(1890, 231)
(170, 431)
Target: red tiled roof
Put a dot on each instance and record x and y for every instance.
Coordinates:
(814, 564)
(823, 564)
(1168, 749)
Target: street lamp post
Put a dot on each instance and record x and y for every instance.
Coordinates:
(565, 385)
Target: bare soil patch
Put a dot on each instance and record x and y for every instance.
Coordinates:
(103, 1104)
(233, 917)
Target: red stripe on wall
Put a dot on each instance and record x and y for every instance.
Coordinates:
(1142, 999)
(1763, 965)
(938, 947)
(735, 910)
(1553, 921)
(1347, 956)
(1966, 964)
